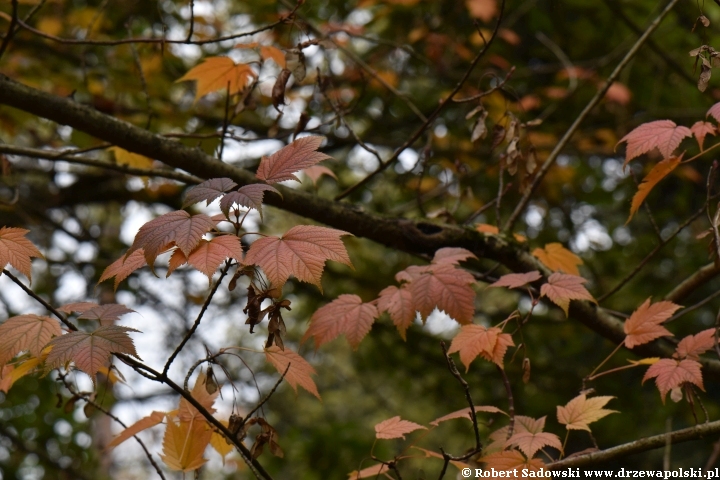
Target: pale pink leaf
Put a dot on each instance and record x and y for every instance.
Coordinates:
(693, 346)
(300, 372)
(664, 135)
(446, 288)
(300, 154)
(208, 255)
(701, 129)
(452, 255)
(106, 314)
(517, 280)
(529, 443)
(347, 315)
(561, 288)
(473, 340)
(208, 191)
(398, 302)
(670, 373)
(249, 196)
(714, 112)
(124, 266)
(316, 171)
(643, 326)
(395, 428)
(370, 472)
(17, 250)
(465, 413)
(26, 332)
(78, 307)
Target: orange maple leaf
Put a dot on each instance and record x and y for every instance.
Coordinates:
(398, 302)
(444, 287)
(208, 255)
(347, 315)
(91, 351)
(452, 255)
(274, 53)
(216, 73)
(17, 250)
(489, 343)
(561, 288)
(124, 266)
(558, 258)
(582, 411)
(208, 191)
(250, 196)
(174, 228)
(465, 413)
(643, 326)
(701, 129)
(300, 154)
(220, 444)
(184, 445)
(316, 171)
(187, 412)
(300, 372)
(670, 373)
(143, 424)
(693, 346)
(395, 428)
(659, 171)
(517, 280)
(26, 332)
(374, 471)
(664, 135)
(301, 252)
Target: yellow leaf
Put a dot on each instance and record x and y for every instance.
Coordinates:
(659, 171)
(645, 361)
(220, 443)
(218, 73)
(581, 411)
(556, 258)
(184, 445)
(50, 25)
(123, 157)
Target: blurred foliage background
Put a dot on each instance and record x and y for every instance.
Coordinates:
(376, 68)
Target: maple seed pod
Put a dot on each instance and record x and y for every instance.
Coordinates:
(526, 370)
(278, 90)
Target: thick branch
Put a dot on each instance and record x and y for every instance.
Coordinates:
(417, 237)
(638, 446)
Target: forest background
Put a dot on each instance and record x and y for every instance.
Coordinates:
(507, 129)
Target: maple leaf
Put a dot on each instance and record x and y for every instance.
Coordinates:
(217, 73)
(187, 412)
(659, 171)
(643, 326)
(105, 314)
(374, 471)
(517, 280)
(529, 443)
(220, 444)
(301, 252)
(693, 345)
(663, 134)
(446, 288)
(558, 258)
(316, 171)
(250, 196)
(13, 373)
(274, 53)
(430, 454)
(26, 332)
(485, 10)
(143, 424)
(465, 413)
(209, 255)
(452, 255)
(714, 112)
(300, 154)
(123, 267)
(123, 157)
(562, 288)
(398, 302)
(300, 372)
(700, 129)
(17, 250)
(582, 411)
(177, 228)
(511, 460)
(208, 191)
(6, 378)
(395, 428)
(486, 228)
(184, 445)
(91, 351)
(78, 307)
(347, 315)
(473, 340)
(669, 374)
(522, 424)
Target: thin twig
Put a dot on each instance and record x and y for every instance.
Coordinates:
(267, 397)
(552, 158)
(418, 133)
(511, 401)
(41, 300)
(473, 416)
(11, 29)
(190, 332)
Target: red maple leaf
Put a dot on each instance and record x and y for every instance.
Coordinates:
(395, 427)
(347, 315)
(517, 280)
(452, 255)
(123, 267)
(301, 252)
(670, 373)
(300, 372)
(693, 346)
(398, 302)
(315, 172)
(105, 314)
(249, 196)
(208, 191)
(701, 129)
(643, 326)
(714, 112)
(664, 135)
(17, 250)
(446, 288)
(300, 154)
(561, 288)
(174, 228)
(474, 340)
